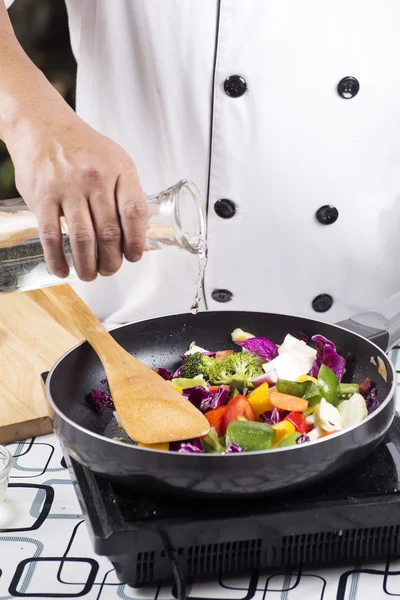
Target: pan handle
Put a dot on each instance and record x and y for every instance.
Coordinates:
(380, 325)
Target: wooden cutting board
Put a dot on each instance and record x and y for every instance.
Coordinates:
(33, 336)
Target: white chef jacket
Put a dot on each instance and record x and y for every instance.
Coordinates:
(156, 77)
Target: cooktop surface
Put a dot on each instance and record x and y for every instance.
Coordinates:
(355, 516)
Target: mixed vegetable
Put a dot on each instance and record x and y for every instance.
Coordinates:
(265, 396)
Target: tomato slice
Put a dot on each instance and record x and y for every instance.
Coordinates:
(237, 407)
(222, 354)
(214, 417)
(298, 421)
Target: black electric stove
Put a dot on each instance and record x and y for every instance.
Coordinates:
(354, 517)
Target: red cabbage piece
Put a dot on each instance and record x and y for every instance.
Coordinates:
(194, 446)
(372, 404)
(369, 392)
(272, 417)
(304, 337)
(178, 372)
(302, 439)
(372, 401)
(107, 400)
(95, 400)
(189, 449)
(198, 394)
(327, 355)
(261, 346)
(98, 399)
(214, 400)
(165, 373)
(233, 448)
(103, 381)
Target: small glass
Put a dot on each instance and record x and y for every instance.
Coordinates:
(176, 220)
(6, 461)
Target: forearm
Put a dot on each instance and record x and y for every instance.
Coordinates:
(26, 96)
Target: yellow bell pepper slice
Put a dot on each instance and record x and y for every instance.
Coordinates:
(283, 429)
(160, 446)
(303, 378)
(177, 388)
(259, 400)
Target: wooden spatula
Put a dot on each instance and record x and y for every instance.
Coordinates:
(150, 409)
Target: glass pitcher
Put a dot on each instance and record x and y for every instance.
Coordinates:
(176, 220)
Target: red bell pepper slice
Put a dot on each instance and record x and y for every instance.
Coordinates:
(298, 421)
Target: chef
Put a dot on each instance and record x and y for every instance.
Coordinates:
(285, 114)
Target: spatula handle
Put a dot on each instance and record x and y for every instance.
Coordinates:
(68, 301)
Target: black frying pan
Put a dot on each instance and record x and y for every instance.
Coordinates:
(160, 342)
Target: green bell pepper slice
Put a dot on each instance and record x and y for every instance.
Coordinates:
(293, 388)
(250, 436)
(328, 384)
(348, 389)
(184, 383)
(289, 440)
(313, 396)
(212, 444)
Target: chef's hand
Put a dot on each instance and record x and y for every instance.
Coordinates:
(65, 168)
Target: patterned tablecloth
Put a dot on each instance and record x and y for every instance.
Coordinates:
(53, 557)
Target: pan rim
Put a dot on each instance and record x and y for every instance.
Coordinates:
(335, 435)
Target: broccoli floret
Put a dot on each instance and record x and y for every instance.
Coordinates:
(197, 364)
(236, 370)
